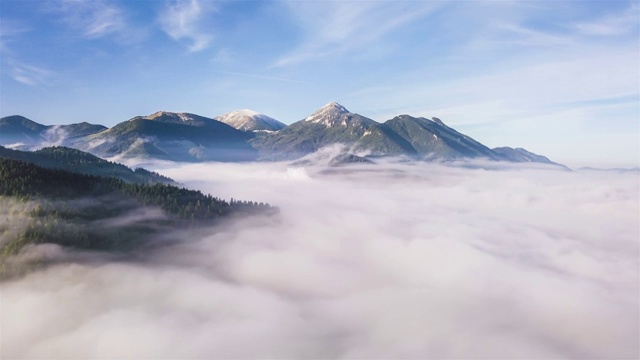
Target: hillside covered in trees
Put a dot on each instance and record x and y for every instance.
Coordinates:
(64, 158)
(39, 205)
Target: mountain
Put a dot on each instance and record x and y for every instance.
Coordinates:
(402, 135)
(249, 120)
(74, 160)
(522, 155)
(162, 135)
(176, 118)
(245, 135)
(331, 124)
(59, 134)
(172, 136)
(18, 131)
(433, 139)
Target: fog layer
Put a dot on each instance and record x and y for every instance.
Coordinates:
(411, 260)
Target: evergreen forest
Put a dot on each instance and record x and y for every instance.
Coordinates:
(88, 212)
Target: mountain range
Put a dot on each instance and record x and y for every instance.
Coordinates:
(246, 135)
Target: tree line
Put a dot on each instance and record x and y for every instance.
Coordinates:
(89, 212)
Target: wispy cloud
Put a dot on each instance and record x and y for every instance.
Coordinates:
(538, 103)
(223, 56)
(335, 28)
(507, 34)
(527, 68)
(614, 24)
(519, 25)
(499, 94)
(181, 19)
(29, 74)
(258, 76)
(10, 32)
(93, 18)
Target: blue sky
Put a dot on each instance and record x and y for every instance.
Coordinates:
(560, 78)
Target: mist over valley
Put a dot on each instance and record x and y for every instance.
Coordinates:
(386, 260)
(342, 179)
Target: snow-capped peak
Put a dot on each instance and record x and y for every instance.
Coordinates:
(335, 106)
(330, 114)
(249, 120)
(182, 116)
(244, 112)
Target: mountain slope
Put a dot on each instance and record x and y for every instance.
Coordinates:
(177, 118)
(249, 120)
(245, 135)
(402, 135)
(522, 155)
(433, 139)
(172, 136)
(68, 135)
(331, 124)
(28, 133)
(78, 130)
(51, 206)
(74, 160)
(18, 129)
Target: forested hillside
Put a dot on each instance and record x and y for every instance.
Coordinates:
(39, 205)
(64, 158)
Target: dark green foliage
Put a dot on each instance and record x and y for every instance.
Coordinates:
(64, 158)
(147, 175)
(345, 159)
(98, 213)
(27, 181)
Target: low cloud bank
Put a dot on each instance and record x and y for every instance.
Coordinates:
(411, 260)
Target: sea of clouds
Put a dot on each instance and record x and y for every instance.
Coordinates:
(395, 260)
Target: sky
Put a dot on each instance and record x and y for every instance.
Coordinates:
(559, 78)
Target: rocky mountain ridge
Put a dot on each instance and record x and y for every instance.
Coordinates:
(249, 120)
(245, 135)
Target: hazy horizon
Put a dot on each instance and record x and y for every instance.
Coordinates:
(176, 237)
(558, 78)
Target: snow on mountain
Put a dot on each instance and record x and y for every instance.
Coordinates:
(249, 120)
(330, 115)
(437, 121)
(245, 135)
(176, 118)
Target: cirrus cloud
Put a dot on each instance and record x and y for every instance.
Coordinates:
(181, 19)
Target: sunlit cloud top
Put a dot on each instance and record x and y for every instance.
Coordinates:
(557, 77)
